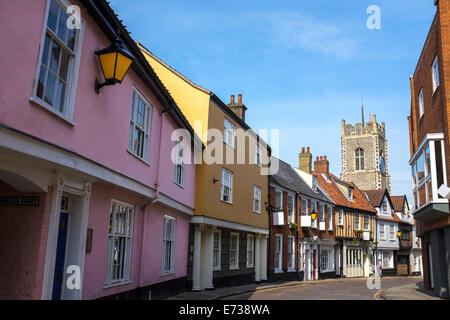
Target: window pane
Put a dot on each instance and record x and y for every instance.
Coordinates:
(439, 169)
(54, 57)
(50, 89)
(63, 69)
(60, 96)
(71, 38)
(46, 50)
(62, 25)
(53, 15)
(422, 195)
(41, 83)
(420, 166)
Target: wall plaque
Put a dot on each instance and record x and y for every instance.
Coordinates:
(19, 201)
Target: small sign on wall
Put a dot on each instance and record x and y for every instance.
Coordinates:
(19, 201)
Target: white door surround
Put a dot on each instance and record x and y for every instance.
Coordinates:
(79, 193)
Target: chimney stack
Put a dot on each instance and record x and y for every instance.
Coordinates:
(304, 160)
(321, 165)
(238, 108)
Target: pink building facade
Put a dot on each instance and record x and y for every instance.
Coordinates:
(91, 204)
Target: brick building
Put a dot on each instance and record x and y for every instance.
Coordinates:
(300, 247)
(322, 230)
(354, 219)
(429, 141)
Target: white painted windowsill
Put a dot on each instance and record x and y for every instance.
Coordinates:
(117, 284)
(41, 103)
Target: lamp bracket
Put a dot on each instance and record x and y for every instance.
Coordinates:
(99, 85)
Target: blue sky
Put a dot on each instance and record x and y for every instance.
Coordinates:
(302, 66)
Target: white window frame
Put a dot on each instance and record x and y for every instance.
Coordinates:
(321, 212)
(223, 186)
(382, 231)
(350, 193)
(324, 260)
(421, 103)
(218, 250)
(435, 72)
(229, 132)
(429, 181)
(258, 155)
(304, 209)
(391, 232)
(330, 218)
(232, 250)
(127, 235)
(314, 205)
(279, 191)
(390, 255)
(73, 69)
(366, 218)
(341, 217)
(146, 129)
(383, 205)
(250, 250)
(179, 163)
(355, 218)
(359, 159)
(169, 239)
(256, 199)
(291, 253)
(314, 183)
(278, 268)
(291, 211)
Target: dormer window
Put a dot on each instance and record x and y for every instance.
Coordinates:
(384, 206)
(314, 184)
(350, 193)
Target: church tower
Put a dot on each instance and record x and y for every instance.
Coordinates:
(364, 154)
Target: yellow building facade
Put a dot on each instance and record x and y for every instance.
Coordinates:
(229, 230)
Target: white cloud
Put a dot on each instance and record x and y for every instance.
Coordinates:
(294, 30)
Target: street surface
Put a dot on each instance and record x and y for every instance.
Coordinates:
(332, 289)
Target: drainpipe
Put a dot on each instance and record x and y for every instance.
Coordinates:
(268, 241)
(158, 171)
(155, 200)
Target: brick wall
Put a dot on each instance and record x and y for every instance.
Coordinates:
(436, 114)
(285, 231)
(23, 243)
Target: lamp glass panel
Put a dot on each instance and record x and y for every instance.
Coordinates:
(123, 63)
(108, 61)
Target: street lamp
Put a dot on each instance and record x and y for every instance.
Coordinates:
(399, 234)
(115, 61)
(313, 215)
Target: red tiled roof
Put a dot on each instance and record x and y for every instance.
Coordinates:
(329, 185)
(397, 202)
(375, 196)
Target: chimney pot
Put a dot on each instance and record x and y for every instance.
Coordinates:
(240, 98)
(307, 149)
(232, 99)
(303, 150)
(321, 165)
(317, 158)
